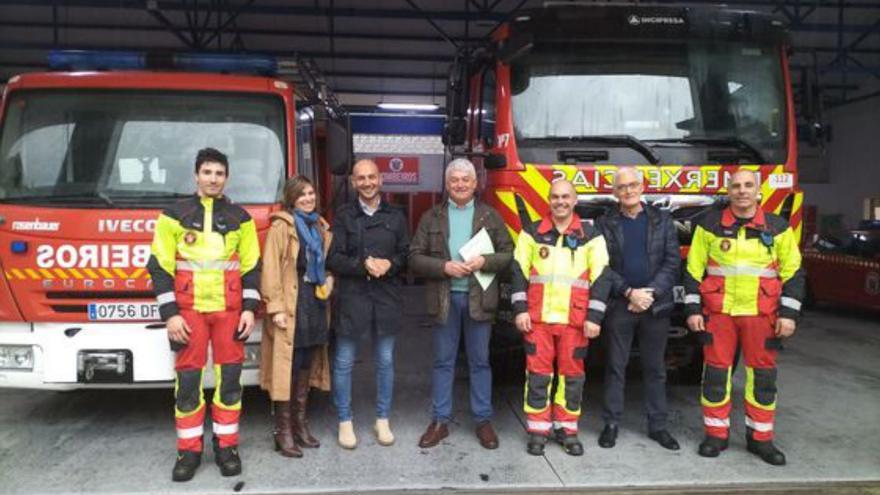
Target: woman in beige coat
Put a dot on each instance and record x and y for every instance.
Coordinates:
(295, 287)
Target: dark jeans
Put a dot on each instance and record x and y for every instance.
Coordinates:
(476, 339)
(618, 330)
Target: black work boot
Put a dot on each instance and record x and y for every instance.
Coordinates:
(186, 465)
(571, 444)
(766, 451)
(712, 446)
(227, 459)
(536, 444)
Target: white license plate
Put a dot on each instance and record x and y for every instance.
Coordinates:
(678, 294)
(123, 311)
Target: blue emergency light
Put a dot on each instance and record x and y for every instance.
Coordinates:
(18, 247)
(86, 60)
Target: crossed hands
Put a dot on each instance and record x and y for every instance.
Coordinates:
(640, 299)
(377, 267)
(523, 323)
(462, 269)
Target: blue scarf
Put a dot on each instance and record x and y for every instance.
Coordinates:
(307, 229)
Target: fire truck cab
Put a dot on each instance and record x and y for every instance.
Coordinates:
(687, 95)
(89, 155)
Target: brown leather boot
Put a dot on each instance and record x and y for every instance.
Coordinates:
(284, 432)
(299, 407)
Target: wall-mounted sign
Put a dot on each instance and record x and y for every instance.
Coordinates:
(398, 170)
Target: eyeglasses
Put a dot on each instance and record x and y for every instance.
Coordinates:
(632, 186)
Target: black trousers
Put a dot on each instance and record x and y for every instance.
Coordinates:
(618, 330)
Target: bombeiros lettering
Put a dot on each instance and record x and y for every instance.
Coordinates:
(93, 256)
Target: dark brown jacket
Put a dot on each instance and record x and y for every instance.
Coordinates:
(429, 252)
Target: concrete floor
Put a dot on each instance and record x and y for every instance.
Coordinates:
(123, 441)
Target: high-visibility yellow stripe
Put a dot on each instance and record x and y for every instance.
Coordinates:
(137, 273)
(766, 190)
(796, 206)
(47, 274)
(120, 272)
(180, 414)
(533, 178)
(76, 274)
(105, 273)
(559, 398)
(90, 273)
(529, 409)
(61, 273)
(706, 402)
(218, 378)
(8, 275)
(750, 392)
(17, 273)
(32, 273)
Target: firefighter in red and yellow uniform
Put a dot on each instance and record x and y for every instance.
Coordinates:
(206, 273)
(744, 284)
(559, 298)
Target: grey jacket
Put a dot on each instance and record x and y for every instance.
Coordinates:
(429, 252)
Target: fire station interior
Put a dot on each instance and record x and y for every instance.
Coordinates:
(404, 83)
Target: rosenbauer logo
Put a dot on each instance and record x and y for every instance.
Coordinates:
(36, 225)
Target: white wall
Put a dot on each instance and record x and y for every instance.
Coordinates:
(854, 157)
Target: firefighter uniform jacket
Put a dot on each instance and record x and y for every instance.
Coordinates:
(750, 269)
(205, 257)
(557, 277)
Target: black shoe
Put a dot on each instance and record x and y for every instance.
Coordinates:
(186, 465)
(571, 444)
(712, 446)
(608, 438)
(536, 444)
(228, 460)
(664, 439)
(766, 451)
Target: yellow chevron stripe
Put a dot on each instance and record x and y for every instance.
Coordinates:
(8, 276)
(89, 273)
(76, 274)
(136, 273)
(796, 206)
(507, 199)
(537, 181)
(120, 272)
(766, 190)
(32, 273)
(47, 274)
(60, 273)
(105, 273)
(18, 273)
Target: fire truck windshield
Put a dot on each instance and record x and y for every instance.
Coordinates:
(695, 94)
(136, 148)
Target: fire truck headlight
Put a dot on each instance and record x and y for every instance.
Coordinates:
(16, 357)
(251, 356)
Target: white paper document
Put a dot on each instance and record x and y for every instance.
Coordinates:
(479, 244)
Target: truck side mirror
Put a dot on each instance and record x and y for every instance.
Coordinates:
(457, 94)
(339, 145)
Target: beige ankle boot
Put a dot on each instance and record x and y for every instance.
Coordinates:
(383, 432)
(347, 439)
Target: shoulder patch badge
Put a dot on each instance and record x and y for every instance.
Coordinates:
(725, 245)
(189, 237)
(544, 252)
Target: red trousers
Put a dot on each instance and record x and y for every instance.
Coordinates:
(566, 347)
(219, 329)
(756, 336)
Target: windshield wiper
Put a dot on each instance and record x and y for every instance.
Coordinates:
(720, 141)
(630, 141)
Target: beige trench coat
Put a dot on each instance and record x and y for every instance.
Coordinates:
(279, 289)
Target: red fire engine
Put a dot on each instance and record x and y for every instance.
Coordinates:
(89, 155)
(572, 91)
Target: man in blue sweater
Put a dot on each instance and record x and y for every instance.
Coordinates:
(644, 267)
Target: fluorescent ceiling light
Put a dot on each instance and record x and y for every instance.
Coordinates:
(408, 106)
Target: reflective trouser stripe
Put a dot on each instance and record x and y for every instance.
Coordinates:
(560, 279)
(225, 429)
(716, 422)
(192, 266)
(758, 426)
(570, 425)
(194, 432)
(539, 425)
